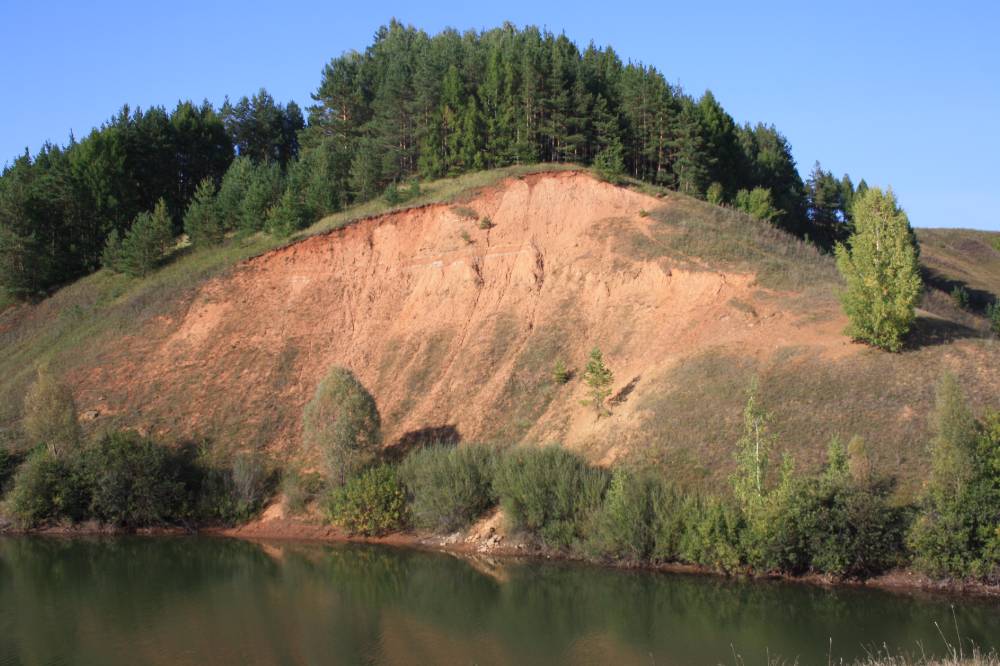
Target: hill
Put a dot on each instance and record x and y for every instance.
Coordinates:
(453, 312)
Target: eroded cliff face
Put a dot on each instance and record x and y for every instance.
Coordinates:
(452, 323)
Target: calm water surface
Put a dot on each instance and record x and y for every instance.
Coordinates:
(196, 600)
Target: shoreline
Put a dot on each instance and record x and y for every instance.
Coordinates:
(472, 545)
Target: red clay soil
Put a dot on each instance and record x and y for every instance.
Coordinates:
(452, 326)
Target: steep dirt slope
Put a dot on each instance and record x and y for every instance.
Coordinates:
(453, 316)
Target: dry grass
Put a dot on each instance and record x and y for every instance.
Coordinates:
(697, 234)
(694, 411)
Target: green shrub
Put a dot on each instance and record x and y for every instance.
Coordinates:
(993, 317)
(449, 487)
(392, 195)
(714, 194)
(669, 517)
(43, 490)
(299, 489)
(485, 223)
(560, 373)
(370, 504)
(132, 481)
(250, 483)
(342, 422)
(757, 203)
(609, 163)
(955, 533)
(9, 463)
(960, 297)
(50, 415)
(712, 534)
(548, 492)
(832, 523)
(622, 527)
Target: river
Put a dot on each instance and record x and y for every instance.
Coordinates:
(202, 600)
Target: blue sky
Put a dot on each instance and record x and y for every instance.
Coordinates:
(902, 94)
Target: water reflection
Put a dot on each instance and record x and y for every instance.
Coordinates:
(218, 601)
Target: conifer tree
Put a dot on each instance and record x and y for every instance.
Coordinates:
(599, 379)
(139, 251)
(691, 158)
(202, 221)
(879, 265)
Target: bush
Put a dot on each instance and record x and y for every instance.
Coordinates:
(757, 203)
(856, 532)
(9, 463)
(132, 481)
(712, 534)
(833, 523)
(960, 297)
(50, 415)
(43, 490)
(300, 489)
(714, 194)
(955, 533)
(622, 528)
(560, 373)
(370, 504)
(669, 513)
(548, 492)
(250, 482)
(609, 163)
(448, 487)
(343, 423)
(392, 195)
(993, 317)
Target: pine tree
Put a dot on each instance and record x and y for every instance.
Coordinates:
(264, 188)
(599, 379)
(691, 158)
(142, 247)
(879, 265)
(202, 221)
(825, 208)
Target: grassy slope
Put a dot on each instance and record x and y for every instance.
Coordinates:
(882, 397)
(694, 415)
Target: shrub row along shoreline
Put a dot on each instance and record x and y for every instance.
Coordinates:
(843, 520)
